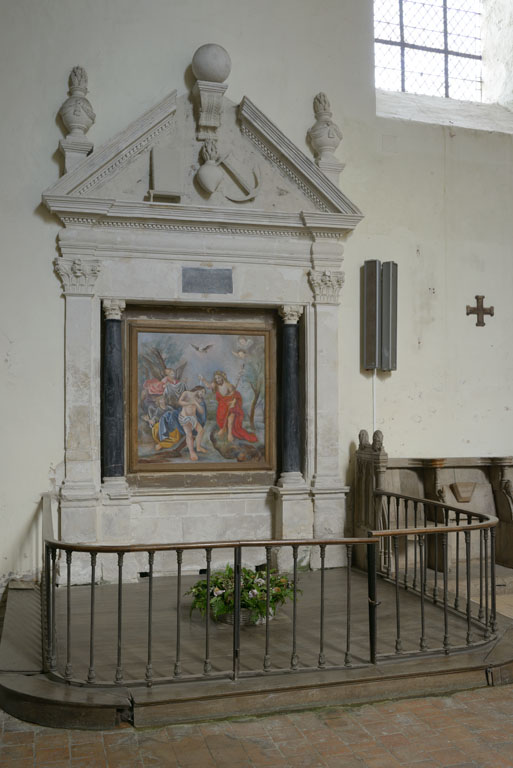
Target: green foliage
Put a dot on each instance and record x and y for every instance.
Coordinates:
(253, 592)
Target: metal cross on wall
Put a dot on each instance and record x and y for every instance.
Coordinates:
(480, 311)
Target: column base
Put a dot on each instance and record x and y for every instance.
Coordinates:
(294, 479)
(116, 488)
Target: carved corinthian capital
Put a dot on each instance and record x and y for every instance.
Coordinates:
(291, 313)
(113, 308)
(326, 285)
(78, 276)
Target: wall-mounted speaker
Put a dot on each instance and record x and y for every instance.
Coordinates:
(380, 315)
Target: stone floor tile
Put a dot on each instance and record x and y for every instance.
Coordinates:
(193, 758)
(331, 747)
(18, 737)
(156, 753)
(349, 762)
(178, 732)
(45, 755)
(23, 762)
(16, 752)
(385, 761)
(58, 764)
(394, 740)
(87, 750)
(124, 757)
(85, 737)
(122, 738)
(51, 737)
(90, 761)
(448, 756)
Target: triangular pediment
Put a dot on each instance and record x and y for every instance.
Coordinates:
(151, 171)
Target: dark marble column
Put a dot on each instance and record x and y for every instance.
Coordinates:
(289, 407)
(113, 432)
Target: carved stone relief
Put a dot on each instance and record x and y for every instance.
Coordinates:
(326, 285)
(78, 276)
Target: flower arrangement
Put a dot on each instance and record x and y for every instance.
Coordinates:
(253, 593)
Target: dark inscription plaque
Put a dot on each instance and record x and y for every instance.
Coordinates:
(199, 280)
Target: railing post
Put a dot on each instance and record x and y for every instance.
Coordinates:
(322, 658)
(91, 674)
(293, 657)
(207, 666)
(118, 679)
(398, 642)
(48, 607)
(68, 672)
(445, 547)
(236, 610)
(178, 662)
(149, 665)
(487, 585)
(267, 656)
(347, 657)
(422, 557)
(467, 571)
(371, 592)
(53, 655)
(493, 608)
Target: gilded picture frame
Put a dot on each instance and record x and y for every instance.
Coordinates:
(201, 396)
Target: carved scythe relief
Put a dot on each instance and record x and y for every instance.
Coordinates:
(209, 175)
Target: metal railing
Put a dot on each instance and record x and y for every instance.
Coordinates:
(416, 536)
(421, 547)
(205, 666)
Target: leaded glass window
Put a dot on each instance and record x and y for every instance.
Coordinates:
(429, 46)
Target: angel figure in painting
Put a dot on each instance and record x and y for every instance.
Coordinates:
(230, 414)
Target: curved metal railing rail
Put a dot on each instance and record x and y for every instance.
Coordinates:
(421, 549)
(53, 547)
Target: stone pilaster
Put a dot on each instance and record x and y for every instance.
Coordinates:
(79, 492)
(328, 491)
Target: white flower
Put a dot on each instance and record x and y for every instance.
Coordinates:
(259, 581)
(218, 591)
(253, 593)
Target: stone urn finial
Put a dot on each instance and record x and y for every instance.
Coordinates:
(324, 137)
(78, 116)
(76, 112)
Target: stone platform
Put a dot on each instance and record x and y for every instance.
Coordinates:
(38, 699)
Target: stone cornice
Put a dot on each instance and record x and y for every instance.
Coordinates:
(89, 211)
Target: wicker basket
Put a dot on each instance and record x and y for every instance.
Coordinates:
(245, 618)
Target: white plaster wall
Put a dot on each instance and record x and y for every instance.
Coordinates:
(437, 200)
(497, 32)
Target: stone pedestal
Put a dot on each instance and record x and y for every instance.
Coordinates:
(293, 519)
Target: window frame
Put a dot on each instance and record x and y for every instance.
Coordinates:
(446, 51)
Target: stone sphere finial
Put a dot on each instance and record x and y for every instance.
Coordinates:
(211, 63)
(76, 112)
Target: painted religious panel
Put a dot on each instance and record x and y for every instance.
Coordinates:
(201, 396)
